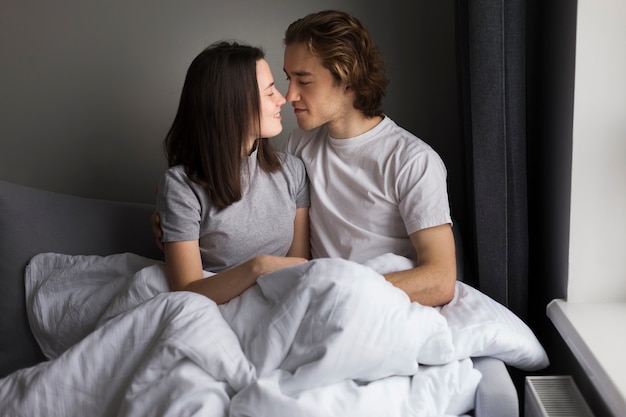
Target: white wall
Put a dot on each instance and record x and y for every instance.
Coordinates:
(597, 257)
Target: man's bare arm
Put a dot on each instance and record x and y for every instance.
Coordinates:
(432, 282)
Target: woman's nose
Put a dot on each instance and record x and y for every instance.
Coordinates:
(281, 99)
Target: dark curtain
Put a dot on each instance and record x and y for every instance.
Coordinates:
(491, 36)
(516, 68)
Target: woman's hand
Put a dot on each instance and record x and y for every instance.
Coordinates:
(184, 268)
(264, 264)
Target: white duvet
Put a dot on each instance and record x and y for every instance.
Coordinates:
(328, 337)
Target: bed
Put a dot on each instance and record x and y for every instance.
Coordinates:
(88, 328)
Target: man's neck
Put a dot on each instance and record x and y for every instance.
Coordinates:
(352, 125)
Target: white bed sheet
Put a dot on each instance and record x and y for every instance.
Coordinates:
(329, 337)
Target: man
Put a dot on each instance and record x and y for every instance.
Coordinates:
(375, 188)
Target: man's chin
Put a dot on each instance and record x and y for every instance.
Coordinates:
(307, 125)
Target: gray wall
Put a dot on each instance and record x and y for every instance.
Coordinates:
(89, 89)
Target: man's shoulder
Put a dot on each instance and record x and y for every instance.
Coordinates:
(403, 141)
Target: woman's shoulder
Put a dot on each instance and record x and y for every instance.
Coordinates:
(175, 174)
(177, 171)
(289, 160)
(292, 166)
(176, 193)
(175, 178)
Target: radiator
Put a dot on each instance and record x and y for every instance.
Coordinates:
(554, 396)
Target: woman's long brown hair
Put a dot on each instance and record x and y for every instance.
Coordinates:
(219, 107)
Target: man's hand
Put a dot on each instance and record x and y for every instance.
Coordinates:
(156, 229)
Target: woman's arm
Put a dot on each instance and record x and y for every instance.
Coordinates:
(300, 246)
(184, 271)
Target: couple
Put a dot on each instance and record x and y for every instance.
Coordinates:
(232, 205)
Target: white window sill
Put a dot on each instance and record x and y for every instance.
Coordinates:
(596, 335)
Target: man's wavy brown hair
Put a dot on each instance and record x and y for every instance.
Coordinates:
(348, 52)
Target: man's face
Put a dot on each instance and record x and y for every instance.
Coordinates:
(317, 98)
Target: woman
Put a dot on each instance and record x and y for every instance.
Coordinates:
(229, 203)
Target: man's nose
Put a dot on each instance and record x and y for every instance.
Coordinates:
(292, 94)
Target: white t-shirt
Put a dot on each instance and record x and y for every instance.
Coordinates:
(370, 192)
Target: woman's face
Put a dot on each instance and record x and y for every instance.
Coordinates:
(271, 101)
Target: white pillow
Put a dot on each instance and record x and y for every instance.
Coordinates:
(483, 327)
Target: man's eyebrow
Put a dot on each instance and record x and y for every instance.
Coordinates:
(299, 73)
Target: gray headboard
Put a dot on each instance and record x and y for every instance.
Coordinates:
(34, 221)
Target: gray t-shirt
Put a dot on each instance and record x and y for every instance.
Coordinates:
(260, 223)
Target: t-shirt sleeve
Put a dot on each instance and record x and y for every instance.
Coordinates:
(423, 193)
(178, 207)
(300, 181)
(302, 197)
